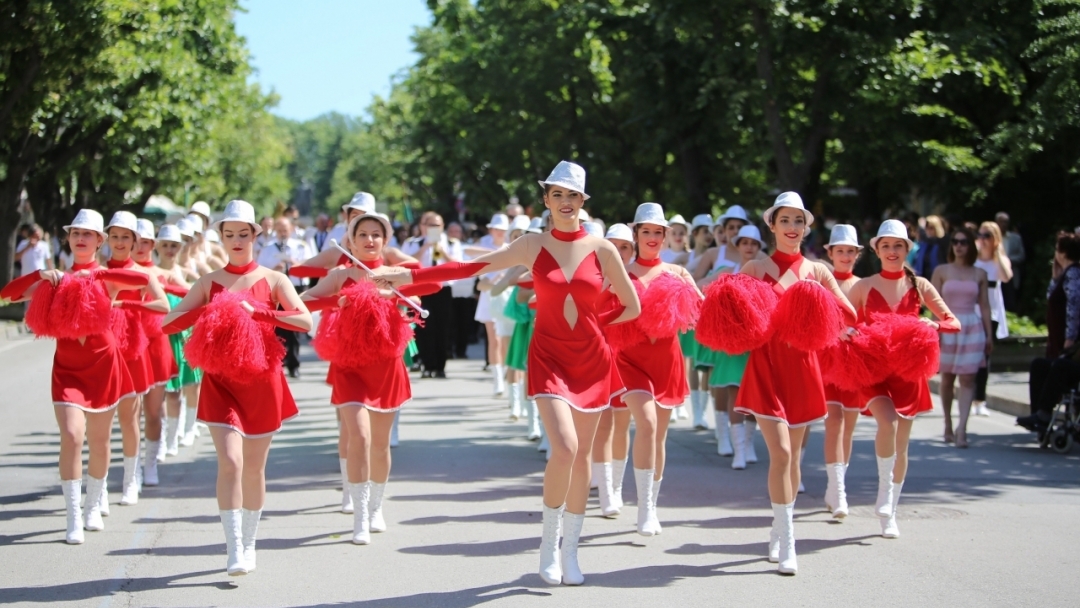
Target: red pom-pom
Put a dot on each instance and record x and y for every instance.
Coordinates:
(621, 336)
(227, 342)
(735, 316)
(669, 305)
(326, 340)
(39, 316)
(914, 349)
(151, 324)
(127, 328)
(808, 317)
(80, 307)
(855, 364)
(370, 327)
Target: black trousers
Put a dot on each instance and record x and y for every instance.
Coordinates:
(292, 348)
(463, 328)
(983, 375)
(1048, 381)
(433, 339)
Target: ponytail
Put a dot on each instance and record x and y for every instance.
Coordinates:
(914, 284)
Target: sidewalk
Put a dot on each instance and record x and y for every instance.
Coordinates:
(1006, 392)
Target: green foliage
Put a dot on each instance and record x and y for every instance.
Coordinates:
(1023, 326)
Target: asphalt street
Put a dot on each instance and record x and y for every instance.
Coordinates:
(994, 525)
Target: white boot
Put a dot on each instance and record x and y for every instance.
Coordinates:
(515, 400)
(699, 401)
(138, 468)
(840, 509)
(655, 503)
(361, 494)
(72, 494)
(723, 435)
(231, 522)
(618, 472)
(605, 491)
(190, 430)
(92, 512)
(499, 374)
(738, 442)
(150, 462)
(786, 530)
(375, 515)
(751, 454)
(889, 528)
(572, 523)
(172, 439)
(249, 527)
(104, 503)
(394, 430)
(550, 564)
(130, 487)
(647, 524)
(830, 487)
(534, 421)
(980, 409)
(774, 537)
(680, 413)
(883, 506)
(346, 497)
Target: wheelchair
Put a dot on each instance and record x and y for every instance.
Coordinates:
(1064, 428)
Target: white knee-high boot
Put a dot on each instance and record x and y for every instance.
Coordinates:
(738, 442)
(618, 472)
(130, 488)
(723, 435)
(231, 521)
(150, 463)
(889, 528)
(190, 430)
(835, 496)
(92, 512)
(499, 375)
(604, 490)
(346, 496)
(172, 437)
(655, 503)
(375, 514)
(515, 400)
(534, 421)
(572, 524)
(751, 454)
(361, 494)
(699, 400)
(72, 494)
(883, 507)
(550, 563)
(249, 528)
(783, 516)
(394, 429)
(103, 504)
(647, 524)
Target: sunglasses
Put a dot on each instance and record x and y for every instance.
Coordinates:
(963, 242)
(985, 235)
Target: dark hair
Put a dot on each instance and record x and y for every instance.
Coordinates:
(972, 252)
(634, 243)
(1068, 243)
(356, 226)
(914, 284)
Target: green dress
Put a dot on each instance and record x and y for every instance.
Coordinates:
(728, 370)
(188, 375)
(689, 344)
(518, 352)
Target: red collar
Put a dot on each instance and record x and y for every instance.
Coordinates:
(842, 276)
(784, 261)
(373, 263)
(128, 263)
(91, 265)
(567, 237)
(146, 264)
(649, 263)
(893, 276)
(246, 268)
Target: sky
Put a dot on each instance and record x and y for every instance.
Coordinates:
(324, 56)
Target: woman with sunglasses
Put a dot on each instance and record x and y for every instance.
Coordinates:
(993, 260)
(963, 286)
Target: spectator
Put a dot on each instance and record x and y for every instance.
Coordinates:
(513, 208)
(1054, 374)
(433, 249)
(1014, 250)
(281, 253)
(319, 235)
(267, 235)
(464, 328)
(998, 270)
(33, 253)
(933, 249)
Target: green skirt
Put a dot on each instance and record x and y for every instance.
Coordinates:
(188, 375)
(518, 352)
(728, 370)
(689, 344)
(410, 352)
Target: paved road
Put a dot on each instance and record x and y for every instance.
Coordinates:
(993, 525)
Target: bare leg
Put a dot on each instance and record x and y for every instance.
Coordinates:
(850, 420)
(661, 442)
(492, 343)
(605, 436)
(129, 413)
(98, 436)
(72, 424)
(381, 423)
(566, 478)
(903, 435)
(253, 478)
(967, 394)
(692, 374)
(620, 444)
(172, 404)
(358, 460)
(946, 392)
(834, 434)
(343, 435)
(732, 394)
(799, 437)
(885, 414)
(779, 440)
(645, 416)
(230, 455)
(152, 404)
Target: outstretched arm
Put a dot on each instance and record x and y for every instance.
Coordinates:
(518, 253)
(188, 310)
(947, 322)
(615, 273)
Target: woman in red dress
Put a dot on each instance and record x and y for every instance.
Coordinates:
(368, 396)
(89, 378)
(895, 402)
(782, 385)
(134, 304)
(571, 372)
(243, 413)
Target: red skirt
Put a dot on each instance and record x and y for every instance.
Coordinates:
(581, 372)
(90, 375)
(142, 375)
(255, 409)
(383, 385)
(909, 398)
(657, 368)
(784, 384)
(162, 363)
(851, 401)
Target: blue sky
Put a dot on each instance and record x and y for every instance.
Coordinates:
(329, 55)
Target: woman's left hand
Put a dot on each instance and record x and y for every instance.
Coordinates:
(989, 346)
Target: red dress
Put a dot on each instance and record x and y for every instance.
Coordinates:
(909, 398)
(780, 382)
(254, 409)
(848, 400)
(159, 351)
(138, 361)
(655, 368)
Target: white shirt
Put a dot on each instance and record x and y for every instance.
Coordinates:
(292, 252)
(338, 234)
(453, 251)
(36, 258)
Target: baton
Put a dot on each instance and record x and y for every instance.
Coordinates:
(423, 313)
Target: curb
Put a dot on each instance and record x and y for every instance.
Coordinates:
(994, 402)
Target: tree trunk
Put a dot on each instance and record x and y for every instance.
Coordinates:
(11, 188)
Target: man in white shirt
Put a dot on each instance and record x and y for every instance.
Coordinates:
(361, 201)
(433, 249)
(33, 253)
(280, 254)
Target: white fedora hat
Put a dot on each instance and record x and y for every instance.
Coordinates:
(650, 213)
(749, 231)
(196, 222)
(145, 230)
(593, 229)
(536, 225)
(843, 234)
(371, 215)
(124, 219)
(891, 229)
(789, 200)
(520, 222)
(620, 232)
(362, 201)
(702, 220)
(568, 175)
(184, 226)
(499, 221)
(200, 208)
(734, 212)
(169, 233)
(238, 211)
(678, 219)
(88, 219)
(213, 236)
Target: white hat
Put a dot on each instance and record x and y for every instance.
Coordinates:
(196, 222)
(583, 216)
(185, 227)
(701, 220)
(620, 232)
(843, 234)
(734, 212)
(146, 229)
(124, 219)
(568, 175)
(678, 219)
(891, 229)
(238, 211)
(201, 208)
(791, 200)
(212, 235)
(536, 225)
(593, 229)
(520, 222)
(169, 233)
(499, 221)
(650, 213)
(749, 231)
(362, 201)
(88, 219)
(371, 215)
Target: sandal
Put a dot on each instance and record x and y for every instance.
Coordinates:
(961, 441)
(949, 437)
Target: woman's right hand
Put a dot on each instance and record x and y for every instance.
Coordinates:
(52, 276)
